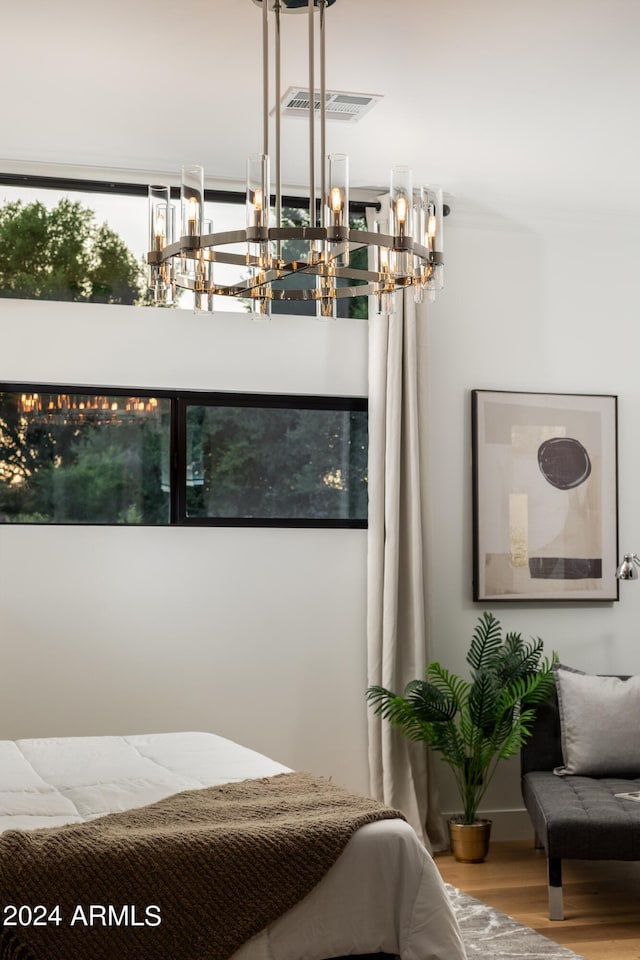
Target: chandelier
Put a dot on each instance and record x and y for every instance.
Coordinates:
(313, 261)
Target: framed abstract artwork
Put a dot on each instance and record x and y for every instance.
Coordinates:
(545, 496)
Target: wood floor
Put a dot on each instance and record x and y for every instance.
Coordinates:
(601, 899)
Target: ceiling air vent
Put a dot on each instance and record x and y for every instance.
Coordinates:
(348, 107)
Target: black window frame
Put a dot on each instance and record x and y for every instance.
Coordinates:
(180, 400)
(136, 189)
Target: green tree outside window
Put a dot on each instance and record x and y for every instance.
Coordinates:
(62, 254)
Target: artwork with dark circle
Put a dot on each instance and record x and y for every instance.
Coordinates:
(544, 496)
(564, 462)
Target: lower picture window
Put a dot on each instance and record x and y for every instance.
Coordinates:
(90, 455)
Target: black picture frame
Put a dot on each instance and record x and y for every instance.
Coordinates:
(545, 496)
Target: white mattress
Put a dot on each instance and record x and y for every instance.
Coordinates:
(384, 894)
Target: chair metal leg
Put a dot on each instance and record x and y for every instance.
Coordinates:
(554, 875)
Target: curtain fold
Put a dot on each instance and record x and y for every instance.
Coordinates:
(396, 611)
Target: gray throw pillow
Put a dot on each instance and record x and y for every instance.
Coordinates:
(599, 723)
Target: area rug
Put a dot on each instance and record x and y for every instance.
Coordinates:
(488, 933)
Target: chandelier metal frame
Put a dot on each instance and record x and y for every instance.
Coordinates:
(401, 254)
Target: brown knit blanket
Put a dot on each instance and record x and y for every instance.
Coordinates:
(191, 877)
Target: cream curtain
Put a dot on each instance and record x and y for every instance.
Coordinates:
(396, 636)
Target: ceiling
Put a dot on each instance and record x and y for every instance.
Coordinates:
(506, 103)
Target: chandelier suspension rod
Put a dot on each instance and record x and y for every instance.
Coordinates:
(312, 140)
(323, 118)
(278, 85)
(265, 78)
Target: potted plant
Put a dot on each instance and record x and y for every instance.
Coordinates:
(473, 724)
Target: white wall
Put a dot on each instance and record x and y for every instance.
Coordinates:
(260, 634)
(542, 305)
(257, 634)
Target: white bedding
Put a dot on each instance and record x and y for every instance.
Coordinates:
(384, 894)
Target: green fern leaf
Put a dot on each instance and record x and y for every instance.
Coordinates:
(485, 643)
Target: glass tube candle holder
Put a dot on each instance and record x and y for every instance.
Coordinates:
(384, 265)
(159, 221)
(434, 236)
(171, 267)
(326, 303)
(338, 195)
(401, 208)
(258, 251)
(261, 304)
(192, 199)
(418, 212)
(401, 200)
(203, 284)
(401, 215)
(258, 196)
(159, 238)
(419, 217)
(191, 216)
(337, 209)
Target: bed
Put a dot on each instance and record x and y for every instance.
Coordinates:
(383, 894)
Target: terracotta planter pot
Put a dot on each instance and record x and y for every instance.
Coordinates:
(470, 841)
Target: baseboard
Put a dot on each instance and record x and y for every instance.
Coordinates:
(507, 824)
